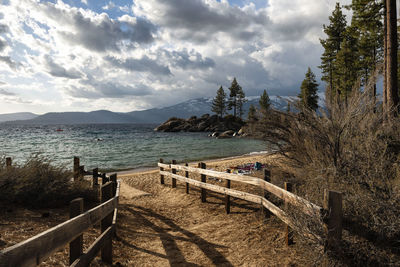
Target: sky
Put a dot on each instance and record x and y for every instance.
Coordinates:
(120, 55)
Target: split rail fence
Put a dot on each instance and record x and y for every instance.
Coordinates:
(330, 213)
(37, 249)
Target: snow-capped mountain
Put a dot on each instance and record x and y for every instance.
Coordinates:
(186, 109)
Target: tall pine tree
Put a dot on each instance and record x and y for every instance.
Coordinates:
(308, 91)
(218, 104)
(367, 18)
(335, 35)
(252, 115)
(264, 102)
(347, 63)
(240, 100)
(233, 95)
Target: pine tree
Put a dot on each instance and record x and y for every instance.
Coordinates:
(367, 18)
(252, 115)
(308, 91)
(335, 35)
(347, 63)
(240, 100)
(218, 104)
(264, 102)
(392, 94)
(234, 90)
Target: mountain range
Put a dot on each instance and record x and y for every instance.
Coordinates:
(193, 107)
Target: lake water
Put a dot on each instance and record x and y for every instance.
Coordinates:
(116, 146)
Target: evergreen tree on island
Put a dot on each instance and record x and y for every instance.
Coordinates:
(264, 102)
(252, 115)
(308, 94)
(218, 104)
(240, 100)
(233, 96)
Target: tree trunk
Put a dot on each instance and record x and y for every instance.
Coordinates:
(391, 59)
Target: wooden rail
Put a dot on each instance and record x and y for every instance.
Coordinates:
(305, 205)
(331, 213)
(35, 250)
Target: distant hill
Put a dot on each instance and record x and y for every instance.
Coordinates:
(192, 107)
(99, 116)
(17, 116)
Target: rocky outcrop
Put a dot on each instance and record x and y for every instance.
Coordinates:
(205, 123)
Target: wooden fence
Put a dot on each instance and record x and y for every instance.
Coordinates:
(35, 250)
(331, 213)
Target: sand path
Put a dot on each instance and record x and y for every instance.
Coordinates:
(162, 226)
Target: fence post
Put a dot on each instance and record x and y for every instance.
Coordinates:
(174, 172)
(333, 225)
(76, 168)
(204, 180)
(227, 197)
(289, 232)
(106, 250)
(81, 172)
(161, 169)
(8, 162)
(187, 176)
(113, 179)
(76, 245)
(95, 177)
(104, 179)
(267, 178)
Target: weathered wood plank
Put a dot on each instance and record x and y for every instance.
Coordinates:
(333, 227)
(187, 176)
(106, 250)
(306, 206)
(227, 197)
(289, 232)
(174, 172)
(76, 245)
(161, 169)
(93, 250)
(216, 188)
(38, 248)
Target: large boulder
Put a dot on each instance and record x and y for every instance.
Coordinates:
(205, 123)
(170, 125)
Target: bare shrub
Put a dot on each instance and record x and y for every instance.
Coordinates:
(352, 149)
(40, 183)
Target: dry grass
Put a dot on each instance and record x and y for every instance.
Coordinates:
(352, 149)
(39, 183)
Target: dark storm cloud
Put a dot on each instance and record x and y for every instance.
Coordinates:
(6, 92)
(93, 89)
(3, 45)
(3, 28)
(182, 59)
(144, 64)
(11, 63)
(100, 34)
(59, 71)
(198, 21)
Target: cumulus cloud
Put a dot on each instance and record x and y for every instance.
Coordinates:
(199, 20)
(189, 60)
(9, 62)
(59, 71)
(144, 64)
(6, 92)
(91, 88)
(94, 31)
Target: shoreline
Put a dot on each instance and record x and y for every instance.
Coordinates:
(212, 160)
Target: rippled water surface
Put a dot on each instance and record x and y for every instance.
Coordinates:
(116, 146)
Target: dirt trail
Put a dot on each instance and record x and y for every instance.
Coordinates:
(168, 227)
